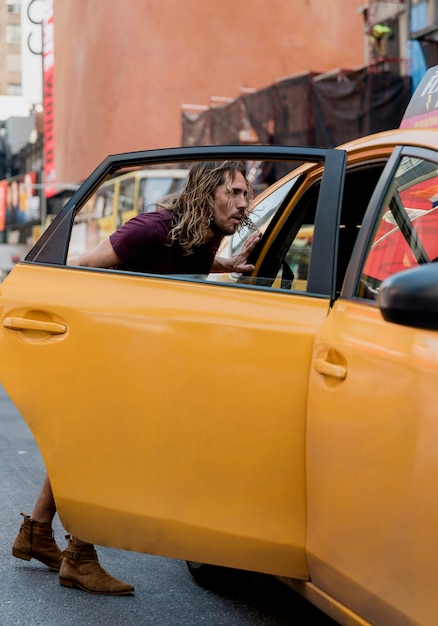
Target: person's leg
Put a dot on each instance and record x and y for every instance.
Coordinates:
(35, 538)
(80, 569)
(78, 565)
(45, 507)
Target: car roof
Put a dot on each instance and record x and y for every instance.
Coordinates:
(421, 137)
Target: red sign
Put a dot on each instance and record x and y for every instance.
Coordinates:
(48, 101)
(3, 195)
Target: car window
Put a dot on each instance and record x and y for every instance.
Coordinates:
(291, 263)
(293, 267)
(104, 201)
(90, 228)
(286, 216)
(152, 189)
(297, 259)
(261, 214)
(406, 232)
(287, 263)
(312, 187)
(113, 203)
(126, 196)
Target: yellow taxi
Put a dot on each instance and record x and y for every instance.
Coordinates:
(281, 422)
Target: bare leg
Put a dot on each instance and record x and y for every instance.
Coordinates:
(35, 539)
(78, 565)
(45, 507)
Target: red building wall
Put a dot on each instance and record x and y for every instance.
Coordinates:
(123, 69)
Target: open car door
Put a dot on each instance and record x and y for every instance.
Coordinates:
(171, 411)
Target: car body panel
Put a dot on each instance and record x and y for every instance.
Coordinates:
(382, 509)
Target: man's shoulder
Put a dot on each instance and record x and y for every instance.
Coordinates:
(144, 228)
(156, 221)
(160, 216)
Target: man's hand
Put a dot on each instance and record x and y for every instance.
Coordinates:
(238, 263)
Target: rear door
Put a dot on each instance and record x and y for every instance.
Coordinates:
(171, 413)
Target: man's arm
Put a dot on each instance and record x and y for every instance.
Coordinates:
(102, 256)
(239, 262)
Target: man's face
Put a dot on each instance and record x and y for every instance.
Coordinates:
(230, 205)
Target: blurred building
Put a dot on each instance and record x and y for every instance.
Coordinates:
(141, 74)
(10, 48)
(21, 144)
(123, 70)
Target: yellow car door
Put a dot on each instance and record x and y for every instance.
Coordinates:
(170, 412)
(372, 426)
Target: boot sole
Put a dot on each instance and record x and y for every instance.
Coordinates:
(66, 582)
(21, 555)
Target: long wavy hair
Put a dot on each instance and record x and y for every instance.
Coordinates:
(193, 206)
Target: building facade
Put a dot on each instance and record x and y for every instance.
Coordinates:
(124, 75)
(10, 48)
(122, 71)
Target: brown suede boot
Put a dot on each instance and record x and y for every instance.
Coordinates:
(80, 569)
(35, 540)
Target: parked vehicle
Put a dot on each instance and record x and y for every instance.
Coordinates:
(282, 422)
(121, 197)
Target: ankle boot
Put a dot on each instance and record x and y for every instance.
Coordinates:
(35, 540)
(80, 569)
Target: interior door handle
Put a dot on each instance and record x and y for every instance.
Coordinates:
(25, 323)
(330, 369)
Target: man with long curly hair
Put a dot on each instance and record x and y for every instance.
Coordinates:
(181, 236)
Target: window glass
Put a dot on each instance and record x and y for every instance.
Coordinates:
(292, 267)
(14, 63)
(286, 270)
(286, 263)
(282, 260)
(13, 7)
(406, 232)
(104, 201)
(13, 33)
(261, 214)
(14, 89)
(116, 201)
(95, 222)
(152, 189)
(298, 257)
(126, 195)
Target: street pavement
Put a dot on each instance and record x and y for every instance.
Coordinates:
(166, 595)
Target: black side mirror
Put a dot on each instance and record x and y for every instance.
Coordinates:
(410, 298)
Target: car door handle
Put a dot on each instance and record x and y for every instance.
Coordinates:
(322, 366)
(25, 323)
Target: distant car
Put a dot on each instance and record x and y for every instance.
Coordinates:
(121, 198)
(283, 422)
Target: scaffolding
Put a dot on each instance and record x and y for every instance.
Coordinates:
(377, 16)
(316, 109)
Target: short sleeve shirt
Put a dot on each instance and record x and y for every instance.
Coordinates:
(142, 244)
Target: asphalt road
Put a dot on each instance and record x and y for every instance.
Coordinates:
(166, 595)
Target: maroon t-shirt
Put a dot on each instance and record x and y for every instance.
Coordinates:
(142, 244)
